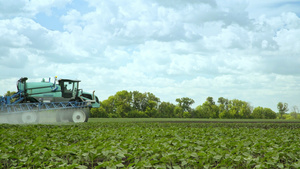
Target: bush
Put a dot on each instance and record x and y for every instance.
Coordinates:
(137, 114)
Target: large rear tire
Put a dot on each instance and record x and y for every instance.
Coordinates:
(29, 117)
(79, 116)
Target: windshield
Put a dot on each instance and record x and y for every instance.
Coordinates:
(68, 86)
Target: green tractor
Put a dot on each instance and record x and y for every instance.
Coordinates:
(65, 90)
(62, 95)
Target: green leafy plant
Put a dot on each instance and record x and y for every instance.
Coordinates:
(150, 145)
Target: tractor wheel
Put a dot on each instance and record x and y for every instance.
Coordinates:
(29, 117)
(79, 116)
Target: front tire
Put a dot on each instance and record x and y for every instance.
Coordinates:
(79, 116)
(29, 117)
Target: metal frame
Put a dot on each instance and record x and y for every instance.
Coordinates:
(40, 106)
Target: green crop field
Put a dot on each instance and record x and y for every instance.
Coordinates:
(152, 143)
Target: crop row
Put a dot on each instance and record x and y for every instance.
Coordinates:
(153, 145)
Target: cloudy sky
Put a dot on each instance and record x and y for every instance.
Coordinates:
(237, 49)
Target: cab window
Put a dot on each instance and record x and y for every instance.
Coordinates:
(68, 86)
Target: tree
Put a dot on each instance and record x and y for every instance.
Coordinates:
(223, 108)
(282, 108)
(186, 114)
(139, 101)
(197, 112)
(109, 105)
(239, 109)
(166, 110)
(9, 93)
(201, 112)
(269, 113)
(224, 114)
(178, 111)
(151, 110)
(152, 104)
(99, 112)
(263, 113)
(185, 103)
(210, 108)
(258, 113)
(210, 100)
(123, 100)
(137, 114)
(130, 104)
(295, 112)
(223, 102)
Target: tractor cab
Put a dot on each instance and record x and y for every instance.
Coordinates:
(69, 88)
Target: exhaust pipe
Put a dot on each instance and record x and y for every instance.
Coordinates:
(94, 95)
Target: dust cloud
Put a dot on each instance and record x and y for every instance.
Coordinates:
(42, 117)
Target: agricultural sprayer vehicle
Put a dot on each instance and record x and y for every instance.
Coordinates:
(62, 97)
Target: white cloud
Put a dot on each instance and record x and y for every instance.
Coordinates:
(257, 8)
(37, 6)
(232, 36)
(288, 40)
(247, 50)
(11, 8)
(29, 8)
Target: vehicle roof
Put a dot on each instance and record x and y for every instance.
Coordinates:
(69, 80)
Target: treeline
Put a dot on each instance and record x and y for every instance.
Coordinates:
(134, 104)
